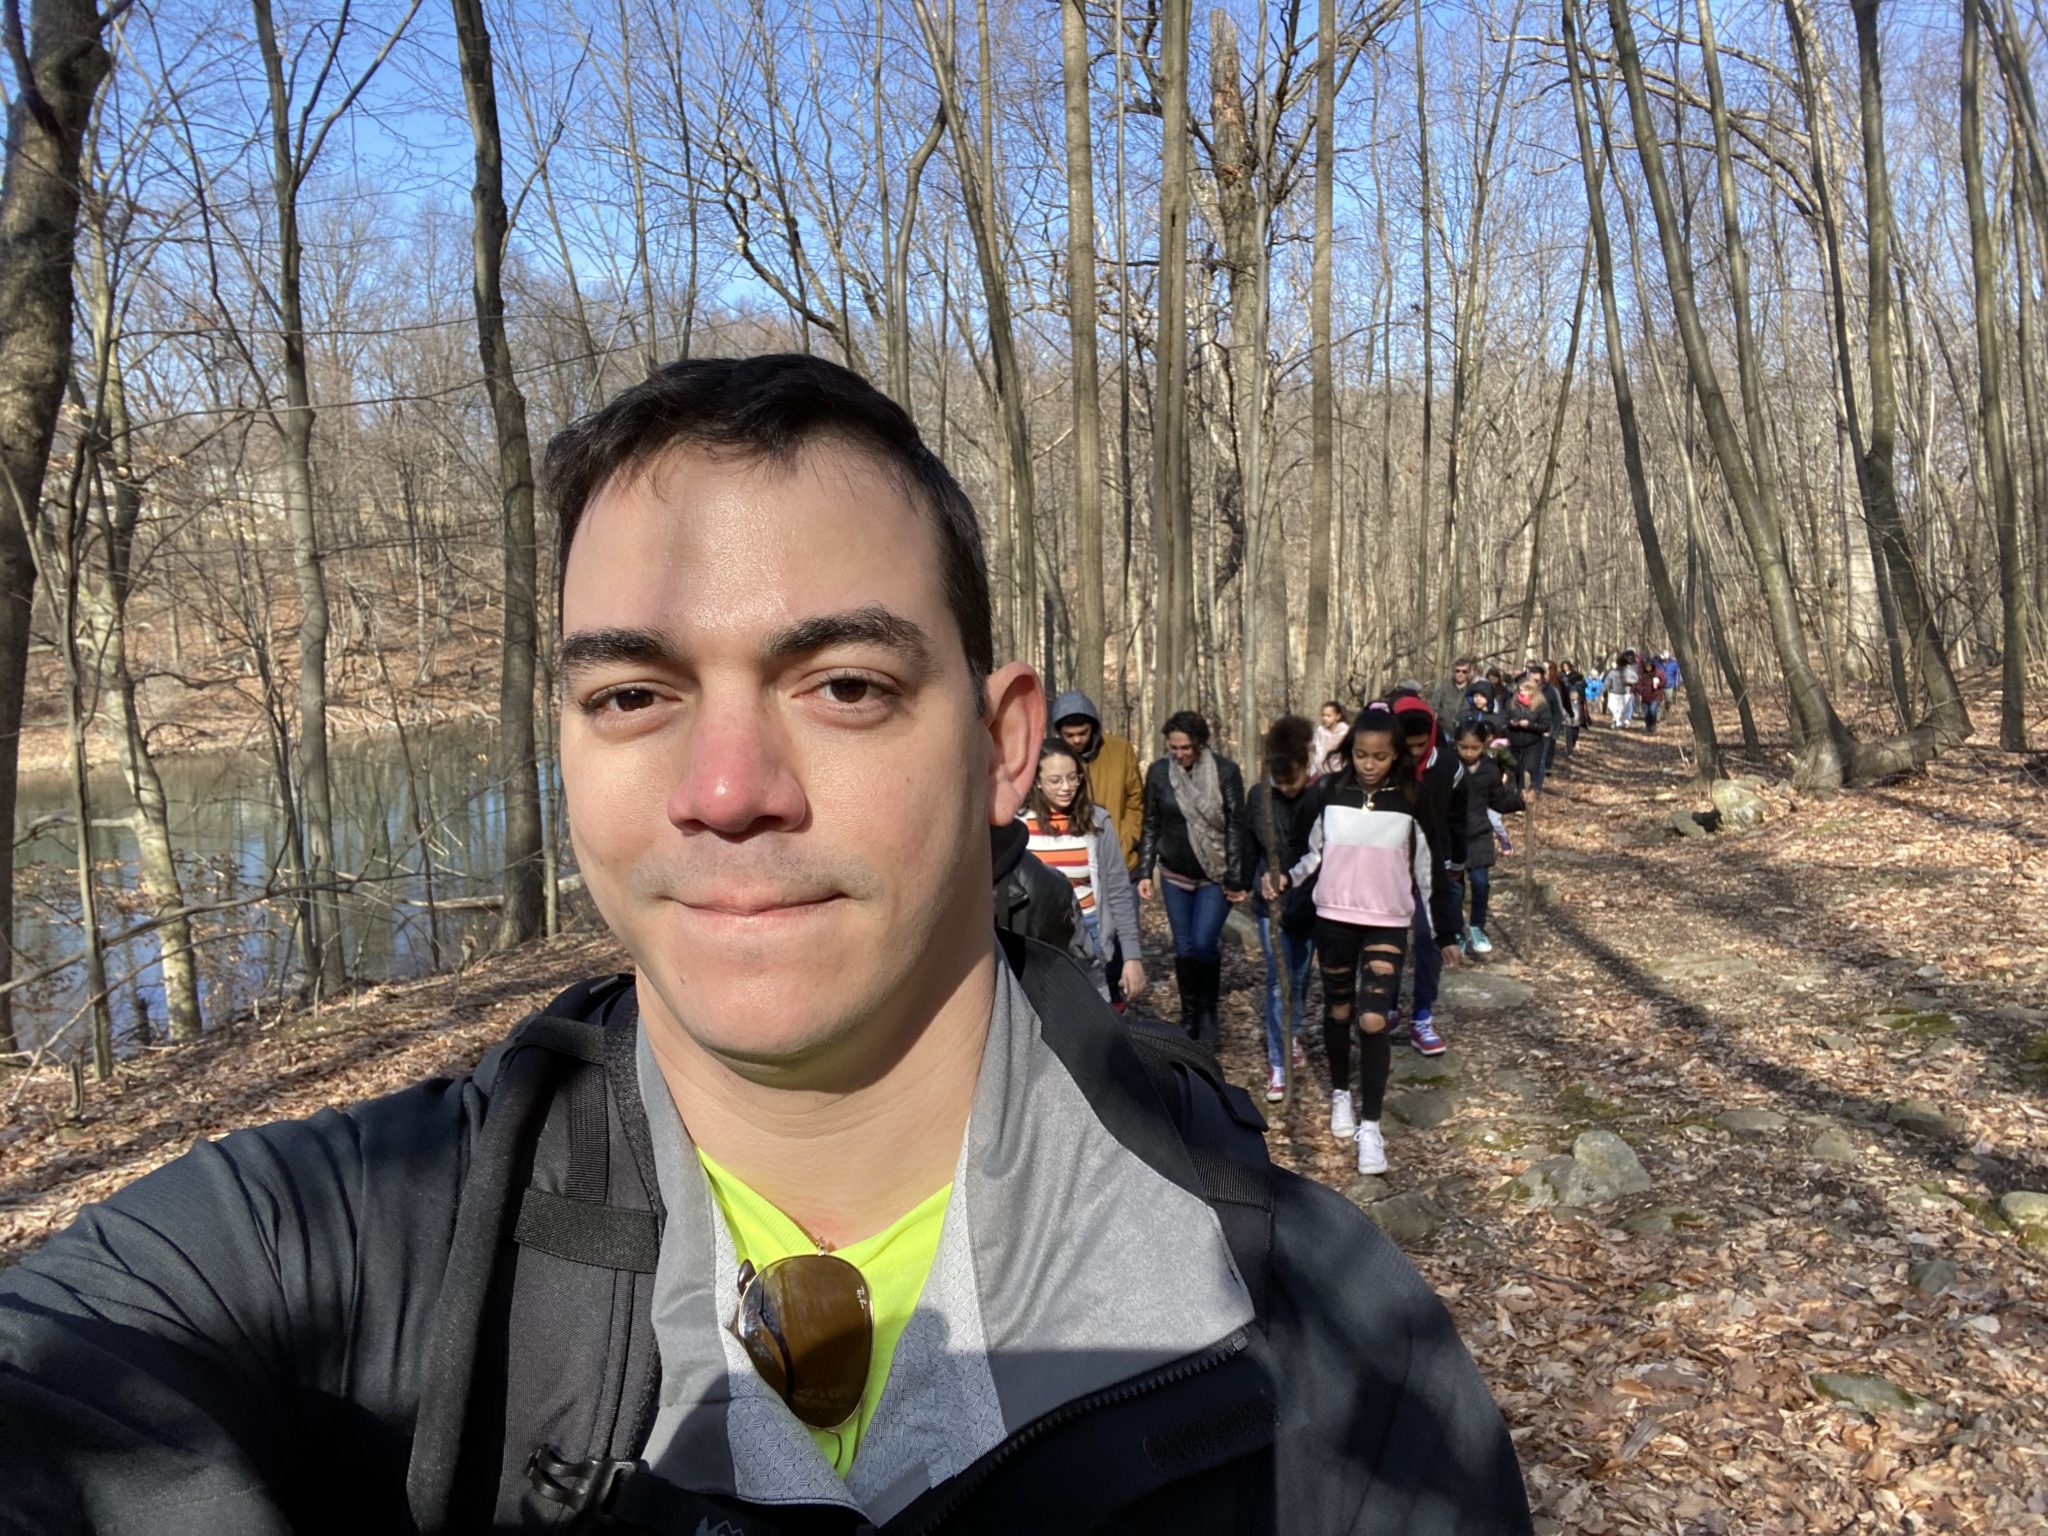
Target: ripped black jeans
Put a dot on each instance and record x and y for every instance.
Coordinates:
(1360, 999)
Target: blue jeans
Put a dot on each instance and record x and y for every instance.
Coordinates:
(1300, 952)
(1429, 960)
(1196, 918)
(1478, 880)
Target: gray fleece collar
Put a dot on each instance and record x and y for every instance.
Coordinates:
(1065, 1266)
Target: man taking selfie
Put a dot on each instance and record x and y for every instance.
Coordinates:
(839, 1213)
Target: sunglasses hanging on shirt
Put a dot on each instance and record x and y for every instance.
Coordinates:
(808, 1325)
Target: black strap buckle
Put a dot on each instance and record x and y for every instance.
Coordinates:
(586, 1487)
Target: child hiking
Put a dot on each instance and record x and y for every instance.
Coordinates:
(1075, 837)
(1370, 861)
(1277, 814)
(1488, 795)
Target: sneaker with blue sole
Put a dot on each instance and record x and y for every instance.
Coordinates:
(1422, 1034)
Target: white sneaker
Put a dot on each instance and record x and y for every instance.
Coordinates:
(1342, 1121)
(1481, 944)
(1372, 1148)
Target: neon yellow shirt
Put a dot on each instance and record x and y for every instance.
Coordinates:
(895, 1263)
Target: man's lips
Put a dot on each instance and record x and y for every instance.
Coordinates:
(757, 907)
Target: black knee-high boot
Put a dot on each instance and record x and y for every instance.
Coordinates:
(1187, 974)
(1208, 1017)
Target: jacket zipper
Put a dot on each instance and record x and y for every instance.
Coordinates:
(1138, 1386)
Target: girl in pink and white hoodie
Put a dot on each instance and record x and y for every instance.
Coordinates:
(1369, 859)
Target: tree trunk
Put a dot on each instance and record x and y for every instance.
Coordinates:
(1827, 744)
(1699, 714)
(977, 177)
(1427, 223)
(46, 119)
(1081, 324)
(1173, 525)
(1876, 475)
(2012, 718)
(524, 914)
(120, 508)
(1322, 391)
(1548, 483)
(1240, 213)
(324, 955)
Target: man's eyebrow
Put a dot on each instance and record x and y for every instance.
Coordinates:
(873, 625)
(601, 647)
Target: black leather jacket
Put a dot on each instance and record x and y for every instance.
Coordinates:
(1165, 840)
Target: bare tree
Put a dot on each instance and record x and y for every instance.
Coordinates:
(1081, 325)
(525, 909)
(1827, 747)
(1173, 524)
(298, 133)
(980, 191)
(1699, 712)
(1322, 386)
(58, 66)
(2012, 719)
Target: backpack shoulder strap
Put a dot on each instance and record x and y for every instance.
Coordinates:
(552, 1171)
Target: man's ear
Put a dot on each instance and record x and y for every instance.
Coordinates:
(1015, 721)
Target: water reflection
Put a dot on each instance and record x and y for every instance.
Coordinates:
(230, 833)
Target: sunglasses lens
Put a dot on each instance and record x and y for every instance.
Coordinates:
(807, 1325)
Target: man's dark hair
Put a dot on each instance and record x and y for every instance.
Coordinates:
(1189, 724)
(771, 408)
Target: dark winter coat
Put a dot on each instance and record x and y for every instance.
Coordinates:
(314, 1328)
(1292, 818)
(1527, 723)
(1486, 789)
(1031, 899)
(1442, 814)
(1166, 830)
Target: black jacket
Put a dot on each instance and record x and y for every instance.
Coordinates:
(1030, 899)
(1486, 788)
(315, 1327)
(1292, 820)
(1527, 724)
(1166, 830)
(1441, 810)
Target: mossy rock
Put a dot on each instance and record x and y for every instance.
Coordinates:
(1985, 1209)
(1581, 1101)
(1871, 1393)
(1919, 1025)
(1493, 1135)
(2033, 1066)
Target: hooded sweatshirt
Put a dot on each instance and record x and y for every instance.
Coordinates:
(1115, 781)
(1442, 813)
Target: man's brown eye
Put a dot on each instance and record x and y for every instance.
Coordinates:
(850, 690)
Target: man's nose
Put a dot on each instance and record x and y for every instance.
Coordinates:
(738, 775)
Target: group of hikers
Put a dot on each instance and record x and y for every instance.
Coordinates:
(1368, 838)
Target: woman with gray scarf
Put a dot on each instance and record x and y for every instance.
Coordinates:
(1194, 815)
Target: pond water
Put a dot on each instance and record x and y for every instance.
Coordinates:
(229, 834)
